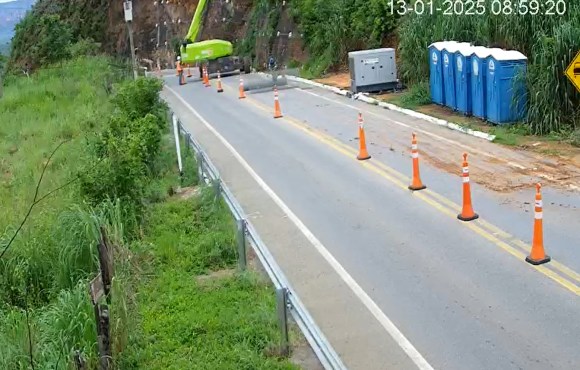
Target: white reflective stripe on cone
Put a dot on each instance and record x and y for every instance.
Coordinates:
(415, 155)
(466, 179)
(538, 215)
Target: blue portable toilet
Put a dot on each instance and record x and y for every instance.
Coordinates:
(436, 72)
(448, 54)
(463, 79)
(478, 78)
(506, 93)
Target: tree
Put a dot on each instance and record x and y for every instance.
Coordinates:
(40, 40)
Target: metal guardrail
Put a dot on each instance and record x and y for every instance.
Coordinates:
(286, 298)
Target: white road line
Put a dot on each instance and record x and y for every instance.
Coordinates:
(466, 147)
(389, 326)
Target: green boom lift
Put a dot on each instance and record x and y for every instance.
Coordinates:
(216, 54)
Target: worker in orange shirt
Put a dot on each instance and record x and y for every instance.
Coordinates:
(180, 71)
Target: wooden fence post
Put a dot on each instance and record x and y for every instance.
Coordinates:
(106, 263)
(80, 363)
(101, 286)
(104, 342)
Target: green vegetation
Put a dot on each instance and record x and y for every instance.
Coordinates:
(48, 32)
(416, 96)
(332, 28)
(261, 31)
(575, 138)
(509, 135)
(116, 159)
(43, 274)
(549, 41)
(195, 311)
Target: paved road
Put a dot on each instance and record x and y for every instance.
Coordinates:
(460, 293)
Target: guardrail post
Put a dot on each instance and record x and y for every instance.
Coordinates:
(217, 187)
(176, 130)
(241, 240)
(199, 167)
(188, 136)
(281, 295)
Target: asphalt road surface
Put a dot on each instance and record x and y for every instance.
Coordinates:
(460, 293)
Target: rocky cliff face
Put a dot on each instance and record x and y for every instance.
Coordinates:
(160, 25)
(257, 28)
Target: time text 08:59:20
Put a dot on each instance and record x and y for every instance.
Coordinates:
(478, 7)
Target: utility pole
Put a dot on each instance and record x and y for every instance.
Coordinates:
(157, 6)
(128, 6)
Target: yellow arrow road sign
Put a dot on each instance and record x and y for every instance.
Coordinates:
(573, 71)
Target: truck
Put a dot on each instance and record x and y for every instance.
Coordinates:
(216, 55)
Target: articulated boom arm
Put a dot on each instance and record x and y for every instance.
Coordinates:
(196, 22)
(193, 51)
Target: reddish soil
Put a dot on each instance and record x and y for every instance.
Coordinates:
(340, 80)
(499, 167)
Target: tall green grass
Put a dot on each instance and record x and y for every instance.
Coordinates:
(332, 28)
(45, 274)
(222, 321)
(36, 114)
(63, 321)
(549, 41)
(62, 103)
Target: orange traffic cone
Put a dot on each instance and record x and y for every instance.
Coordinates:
(537, 255)
(363, 154)
(219, 84)
(206, 82)
(277, 111)
(416, 183)
(188, 71)
(242, 93)
(467, 213)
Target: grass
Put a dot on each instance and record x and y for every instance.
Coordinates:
(55, 247)
(416, 96)
(32, 127)
(47, 268)
(510, 135)
(225, 321)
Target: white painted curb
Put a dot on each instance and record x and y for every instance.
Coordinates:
(409, 112)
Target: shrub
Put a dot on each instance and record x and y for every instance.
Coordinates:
(40, 40)
(138, 98)
(575, 138)
(126, 150)
(46, 33)
(84, 47)
(417, 95)
(118, 175)
(332, 28)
